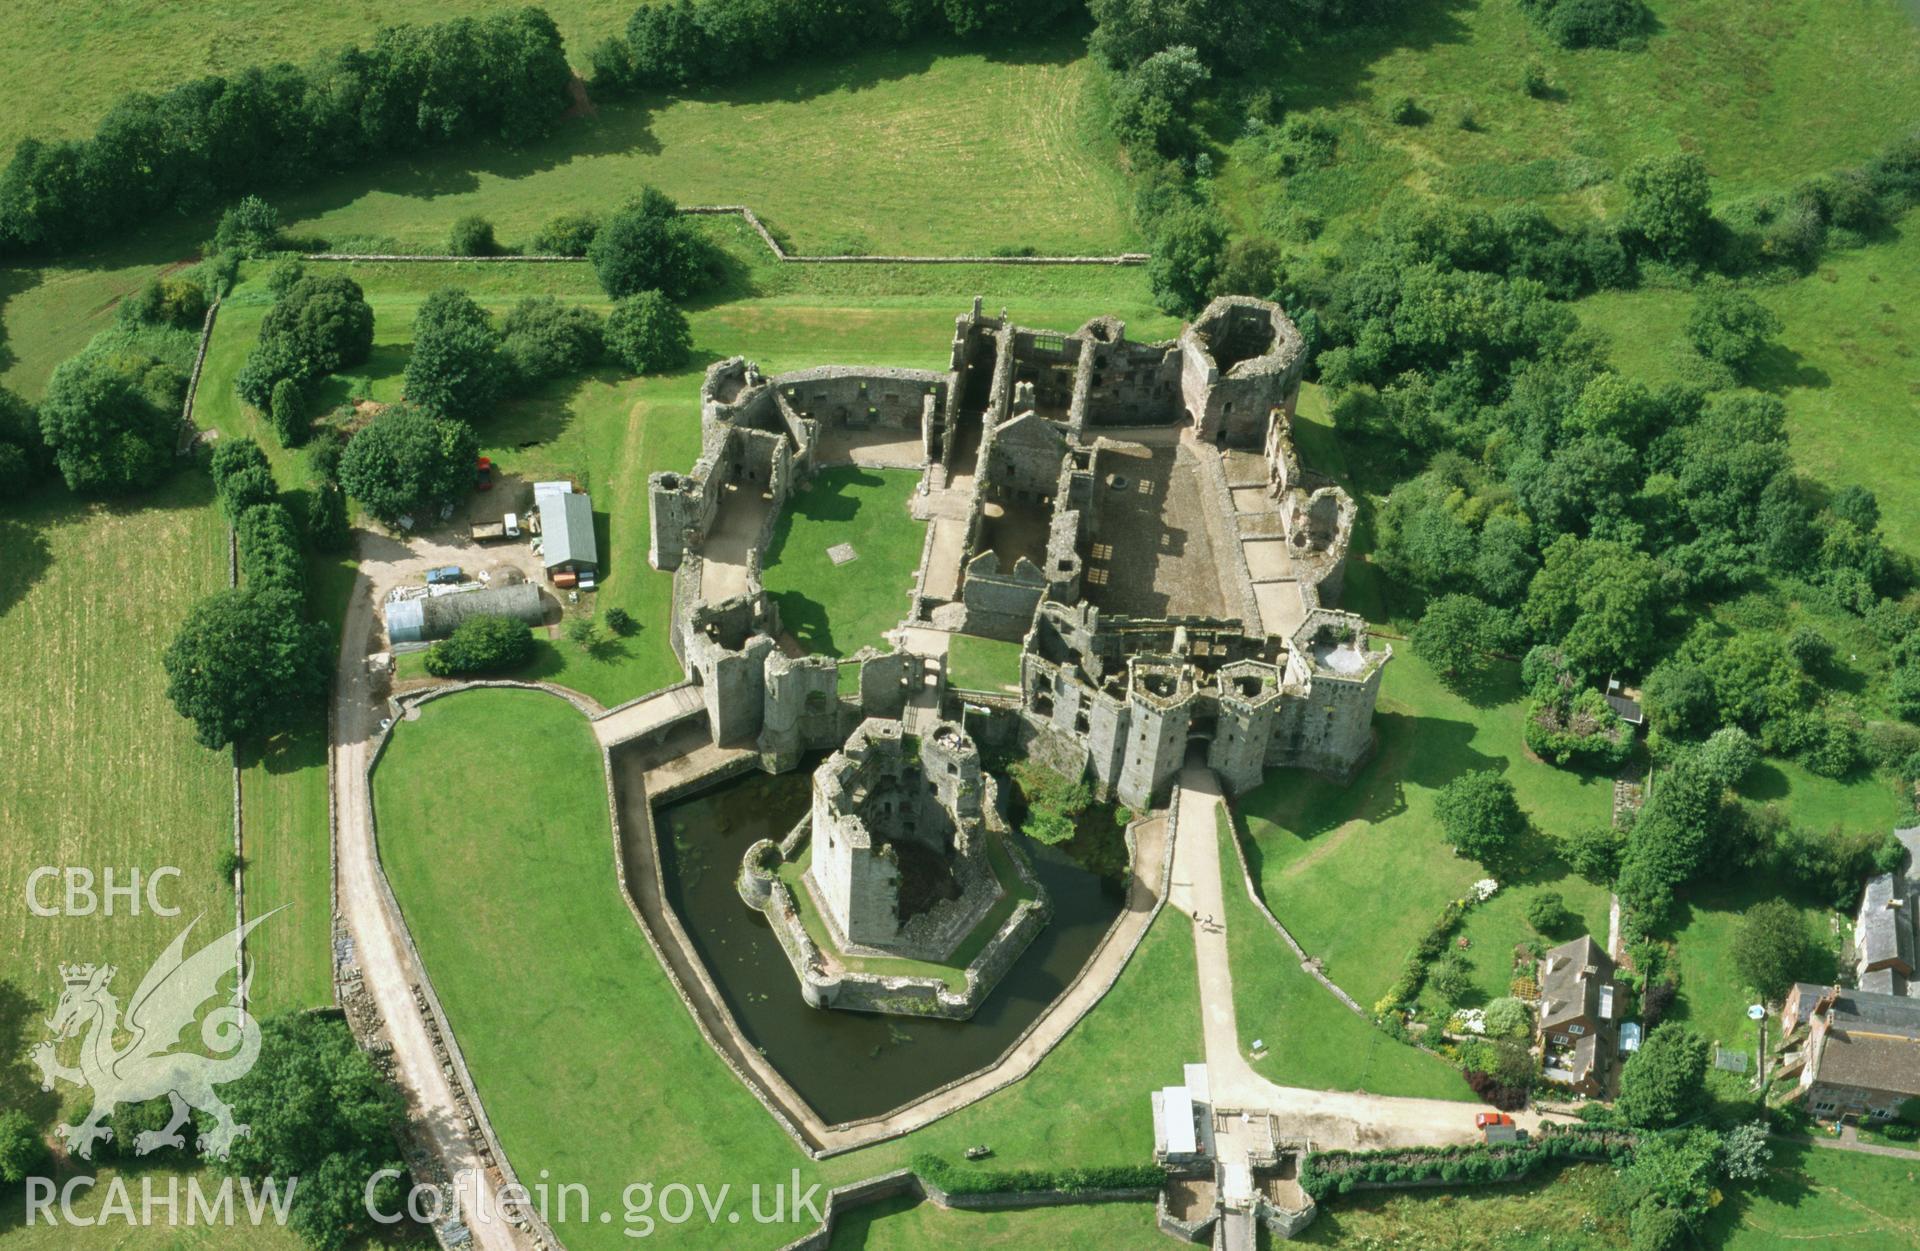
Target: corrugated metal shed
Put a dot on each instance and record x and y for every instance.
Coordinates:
(418, 620)
(566, 527)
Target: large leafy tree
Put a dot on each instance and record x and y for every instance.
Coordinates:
(408, 458)
(247, 664)
(648, 334)
(1601, 600)
(1667, 205)
(320, 1112)
(648, 246)
(456, 368)
(1479, 815)
(1455, 635)
(1665, 1081)
(111, 421)
(1770, 947)
(328, 319)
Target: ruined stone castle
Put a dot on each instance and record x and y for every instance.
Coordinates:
(1134, 513)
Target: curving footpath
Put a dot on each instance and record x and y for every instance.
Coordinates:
(380, 949)
(1328, 1118)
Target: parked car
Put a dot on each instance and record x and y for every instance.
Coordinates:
(444, 575)
(1483, 1119)
(483, 473)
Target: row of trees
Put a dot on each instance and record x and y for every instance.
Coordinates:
(501, 78)
(247, 662)
(681, 43)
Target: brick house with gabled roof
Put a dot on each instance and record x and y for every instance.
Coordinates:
(1579, 1017)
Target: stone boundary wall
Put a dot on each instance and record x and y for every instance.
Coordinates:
(766, 236)
(1246, 879)
(188, 431)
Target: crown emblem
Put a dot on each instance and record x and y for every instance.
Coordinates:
(81, 974)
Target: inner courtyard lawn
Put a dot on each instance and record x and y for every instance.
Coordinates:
(568, 1020)
(835, 610)
(977, 664)
(1311, 1038)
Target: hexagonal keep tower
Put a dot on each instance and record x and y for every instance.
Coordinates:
(899, 840)
(906, 862)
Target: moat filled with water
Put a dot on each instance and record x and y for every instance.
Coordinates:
(850, 1065)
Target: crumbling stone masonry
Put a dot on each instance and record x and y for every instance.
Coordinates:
(900, 867)
(1135, 513)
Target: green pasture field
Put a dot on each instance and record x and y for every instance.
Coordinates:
(1559, 1210)
(835, 610)
(591, 1032)
(1750, 85)
(1839, 1199)
(101, 772)
(1312, 1039)
(927, 149)
(1847, 365)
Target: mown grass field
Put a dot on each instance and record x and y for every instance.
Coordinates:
(928, 149)
(588, 1031)
(907, 1223)
(835, 610)
(1311, 1038)
(100, 771)
(1327, 856)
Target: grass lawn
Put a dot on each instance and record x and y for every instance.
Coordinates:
(907, 1223)
(978, 664)
(881, 152)
(1840, 1199)
(535, 908)
(1499, 925)
(1747, 84)
(100, 771)
(1554, 1210)
(835, 610)
(1714, 997)
(1327, 855)
(1847, 365)
(1312, 1038)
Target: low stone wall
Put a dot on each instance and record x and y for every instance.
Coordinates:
(766, 236)
(1306, 962)
(1186, 1231)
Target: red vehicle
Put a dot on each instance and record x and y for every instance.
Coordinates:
(483, 473)
(1482, 1120)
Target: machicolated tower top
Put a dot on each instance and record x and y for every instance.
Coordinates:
(1134, 513)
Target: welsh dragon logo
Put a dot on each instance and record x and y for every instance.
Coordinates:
(166, 1004)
